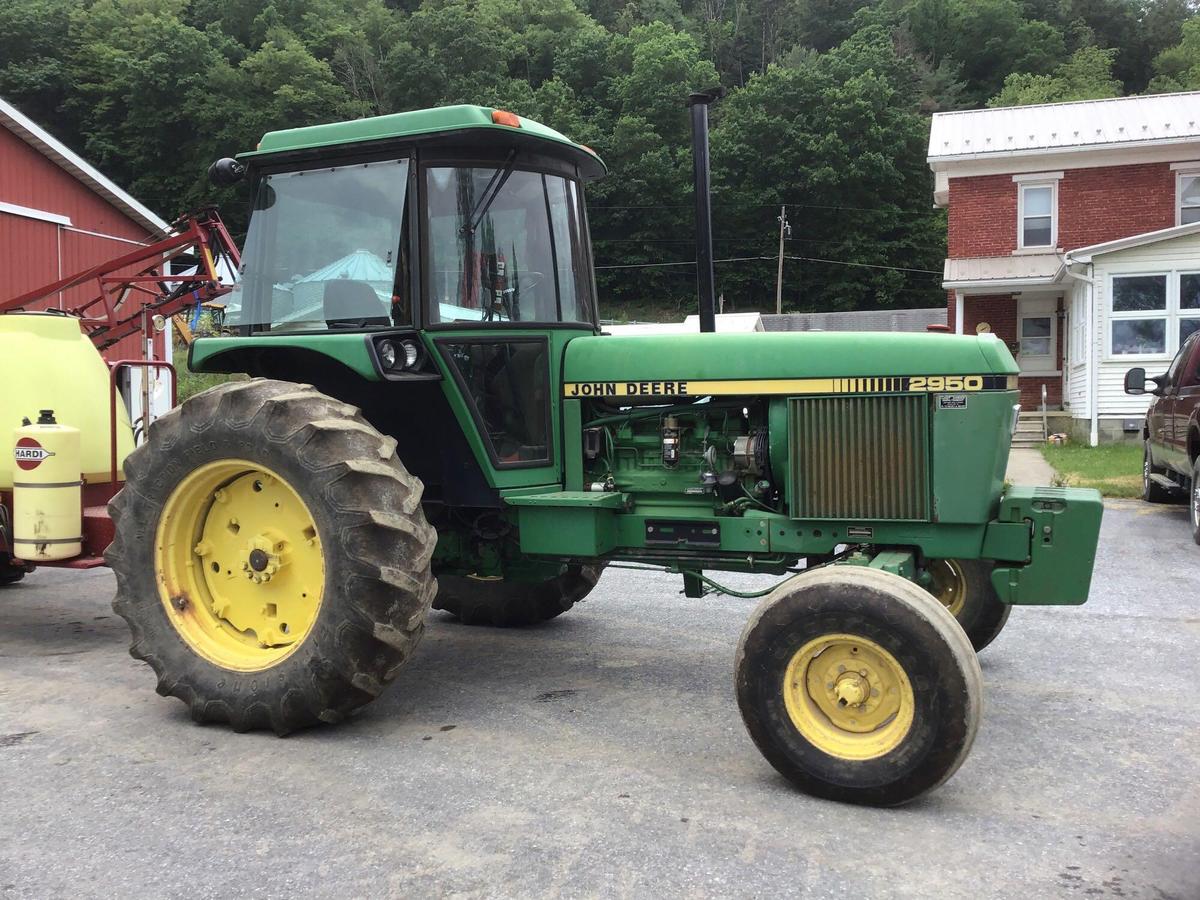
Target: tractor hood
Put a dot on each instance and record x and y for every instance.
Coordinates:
(784, 363)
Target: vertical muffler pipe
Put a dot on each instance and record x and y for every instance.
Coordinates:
(705, 286)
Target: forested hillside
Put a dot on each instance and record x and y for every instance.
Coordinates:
(826, 109)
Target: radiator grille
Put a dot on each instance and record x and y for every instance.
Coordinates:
(859, 457)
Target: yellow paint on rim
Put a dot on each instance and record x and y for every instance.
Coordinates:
(239, 565)
(949, 584)
(848, 697)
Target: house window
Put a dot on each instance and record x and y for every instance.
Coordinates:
(1037, 215)
(1036, 333)
(1189, 304)
(1189, 198)
(1152, 315)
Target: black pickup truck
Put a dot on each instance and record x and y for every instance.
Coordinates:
(1171, 466)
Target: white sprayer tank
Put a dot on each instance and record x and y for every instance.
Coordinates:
(47, 491)
(46, 362)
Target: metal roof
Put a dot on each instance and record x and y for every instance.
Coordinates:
(1081, 125)
(361, 265)
(858, 320)
(58, 152)
(1085, 254)
(1001, 271)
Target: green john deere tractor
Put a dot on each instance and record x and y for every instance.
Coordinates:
(436, 419)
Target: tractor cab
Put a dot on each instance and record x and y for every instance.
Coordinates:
(433, 265)
(459, 217)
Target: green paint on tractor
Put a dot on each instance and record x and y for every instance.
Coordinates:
(429, 275)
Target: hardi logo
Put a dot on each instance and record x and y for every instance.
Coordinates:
(29, 453)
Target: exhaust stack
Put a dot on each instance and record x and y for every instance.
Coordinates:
(705, 286)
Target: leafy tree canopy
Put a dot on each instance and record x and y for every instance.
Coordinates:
(825, 112)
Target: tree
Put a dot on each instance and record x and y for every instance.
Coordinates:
(34, 69)
(1087, 75)
(840, 140)
(1178, 68)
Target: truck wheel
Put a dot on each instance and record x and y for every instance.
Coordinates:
(858, 686)
(1152, 491)
(964, 586)
(514, 604)
(1194, 500)
(271, 555)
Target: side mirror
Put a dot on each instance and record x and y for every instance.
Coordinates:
(226, 172)
(1135, 381)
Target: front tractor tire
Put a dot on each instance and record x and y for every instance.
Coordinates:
(964, 587)
(858, 686)
(271, 556)
(514, 604)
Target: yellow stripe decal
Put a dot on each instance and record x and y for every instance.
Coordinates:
(900, 384)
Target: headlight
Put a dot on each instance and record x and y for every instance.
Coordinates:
(387, 354)
(411, 353)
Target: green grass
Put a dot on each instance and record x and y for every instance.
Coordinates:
(190, 382)
(1113, 469)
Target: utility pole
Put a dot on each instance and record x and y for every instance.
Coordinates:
(784, 226)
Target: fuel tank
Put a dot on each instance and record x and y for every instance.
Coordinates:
(46, 362)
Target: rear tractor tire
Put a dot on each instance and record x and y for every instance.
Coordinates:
(514, 604)
(964, 587)
(858, 686)
(271, 555)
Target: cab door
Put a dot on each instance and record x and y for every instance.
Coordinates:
(507, 282)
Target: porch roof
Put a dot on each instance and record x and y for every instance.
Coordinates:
(1085, 254)
(1011, 272)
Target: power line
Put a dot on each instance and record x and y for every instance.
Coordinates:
(834, 262)
(839, 262)
(688, 263)
(758, 206)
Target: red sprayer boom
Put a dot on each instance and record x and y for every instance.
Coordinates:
(129, 289)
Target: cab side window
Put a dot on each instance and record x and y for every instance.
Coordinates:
(1177, 364)
(1189, 374)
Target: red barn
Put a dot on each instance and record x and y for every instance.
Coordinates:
(59, 215)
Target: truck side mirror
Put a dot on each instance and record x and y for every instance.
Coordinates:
(1135, 381)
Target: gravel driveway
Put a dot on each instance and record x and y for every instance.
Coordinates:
(603, 755)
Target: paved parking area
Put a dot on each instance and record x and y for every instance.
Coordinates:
(603, 755)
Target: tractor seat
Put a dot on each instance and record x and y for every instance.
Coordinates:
(353, 304)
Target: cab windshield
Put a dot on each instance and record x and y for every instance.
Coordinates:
(325, 251)
(505, 246)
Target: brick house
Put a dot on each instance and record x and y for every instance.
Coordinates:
(1074, 236)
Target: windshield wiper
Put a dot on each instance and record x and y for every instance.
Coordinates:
(497, 181)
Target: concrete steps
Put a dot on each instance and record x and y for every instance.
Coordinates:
(1029, 430)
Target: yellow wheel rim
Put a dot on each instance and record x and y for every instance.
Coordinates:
(949, 584)
(848, 697)
(239, 565)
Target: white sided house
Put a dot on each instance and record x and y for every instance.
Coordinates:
(1074, 236)
(1133, 302)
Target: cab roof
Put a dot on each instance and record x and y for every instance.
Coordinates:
(480, 121)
